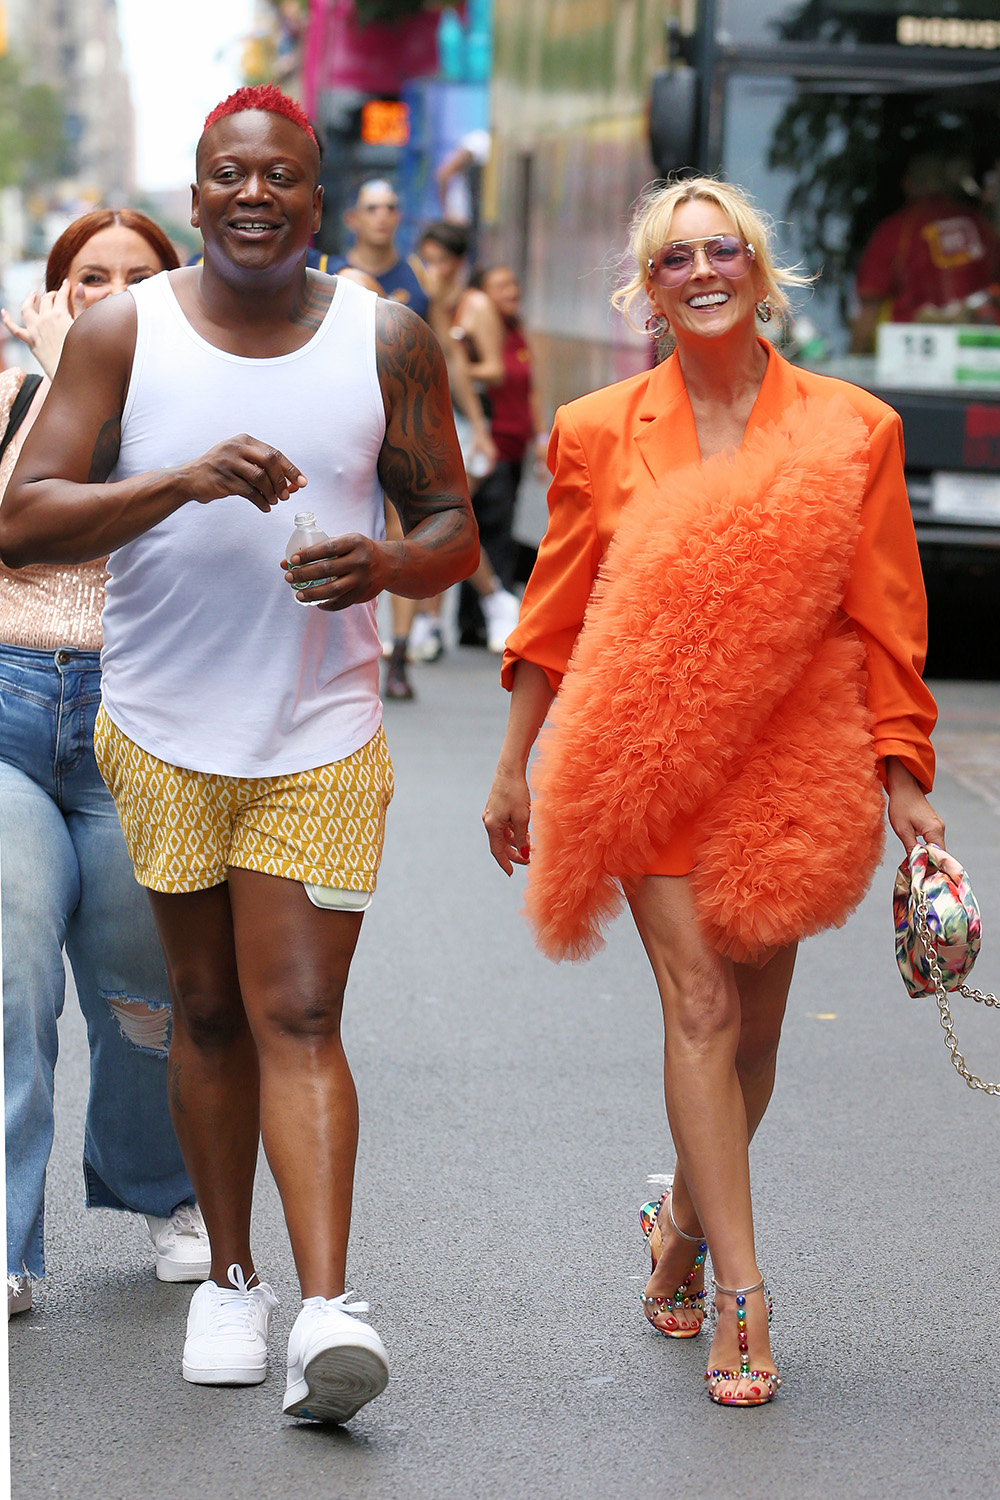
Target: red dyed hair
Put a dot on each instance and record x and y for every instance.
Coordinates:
(266, 96)
(72, 240)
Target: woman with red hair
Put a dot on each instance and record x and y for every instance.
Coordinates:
(67, 879)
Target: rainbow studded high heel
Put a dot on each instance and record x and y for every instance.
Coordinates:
(766, 1382)
(683, 1299)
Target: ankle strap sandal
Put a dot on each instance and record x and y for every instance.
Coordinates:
(765, 1382)
(683, 1299)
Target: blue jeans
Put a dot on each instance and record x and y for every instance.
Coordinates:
(67, 881)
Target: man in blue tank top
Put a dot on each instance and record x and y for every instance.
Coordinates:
(259, 852)
(373, 221)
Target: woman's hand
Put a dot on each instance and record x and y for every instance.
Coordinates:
(436, 285)
(506, 819)
(910, 813)
(508, 807)
(46, 320)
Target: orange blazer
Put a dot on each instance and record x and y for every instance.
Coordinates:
(609, 444)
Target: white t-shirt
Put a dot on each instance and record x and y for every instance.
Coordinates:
(458, 204)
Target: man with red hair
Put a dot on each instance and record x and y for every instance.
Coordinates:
(263, 96)
(240, 733)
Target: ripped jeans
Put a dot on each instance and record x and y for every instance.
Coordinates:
(66, 879)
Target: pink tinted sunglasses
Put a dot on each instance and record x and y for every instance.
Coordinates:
(727, 256)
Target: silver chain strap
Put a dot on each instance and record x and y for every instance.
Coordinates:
(941, 995)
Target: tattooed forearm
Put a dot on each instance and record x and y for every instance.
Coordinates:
(441, 553)
(407, 476)
(445, 532)
(106, 449)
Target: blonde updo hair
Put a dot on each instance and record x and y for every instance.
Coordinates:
(649, 231)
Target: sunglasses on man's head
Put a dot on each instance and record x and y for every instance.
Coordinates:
(727, 256)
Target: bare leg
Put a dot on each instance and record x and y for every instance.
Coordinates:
(212, 1073)
(484, 580)
(294, 961)
(404, 612)
(708, 1118)
(763, 995)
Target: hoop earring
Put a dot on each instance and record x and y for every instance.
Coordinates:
(657, 325)
(764, 312)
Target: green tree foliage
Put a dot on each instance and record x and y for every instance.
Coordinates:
(32, 142)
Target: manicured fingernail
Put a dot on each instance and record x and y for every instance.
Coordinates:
(525, 851)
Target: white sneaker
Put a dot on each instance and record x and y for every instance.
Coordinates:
(182, 1249)
(227, 1332)
(500, 611)
(335, 1362)
(417, 638)
(426, 642)
(18, 1295)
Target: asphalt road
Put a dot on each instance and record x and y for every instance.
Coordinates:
(512, 1113)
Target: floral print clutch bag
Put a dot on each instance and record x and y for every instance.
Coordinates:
(938, 935)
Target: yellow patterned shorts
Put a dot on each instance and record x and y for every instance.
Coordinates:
(324, 827)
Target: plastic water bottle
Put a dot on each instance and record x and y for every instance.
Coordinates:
(306, 534)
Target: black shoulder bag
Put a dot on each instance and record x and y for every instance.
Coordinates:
(18, 412)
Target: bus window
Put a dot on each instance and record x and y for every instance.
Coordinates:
(870, 23)
(899, 184)
(755, 110)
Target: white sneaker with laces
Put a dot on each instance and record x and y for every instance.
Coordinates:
(227, 1332)
(336, 1363)
(500, 611)
(181, 1242)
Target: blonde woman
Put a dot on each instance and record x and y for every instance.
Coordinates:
(744, 685)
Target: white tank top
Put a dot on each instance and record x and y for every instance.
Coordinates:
(209, 661)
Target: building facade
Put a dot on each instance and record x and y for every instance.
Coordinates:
(75, 46)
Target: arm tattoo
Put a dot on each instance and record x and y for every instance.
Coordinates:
(106, 448)
(314, 305)
(416, 454)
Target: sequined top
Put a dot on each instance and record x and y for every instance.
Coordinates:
(47, 605)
